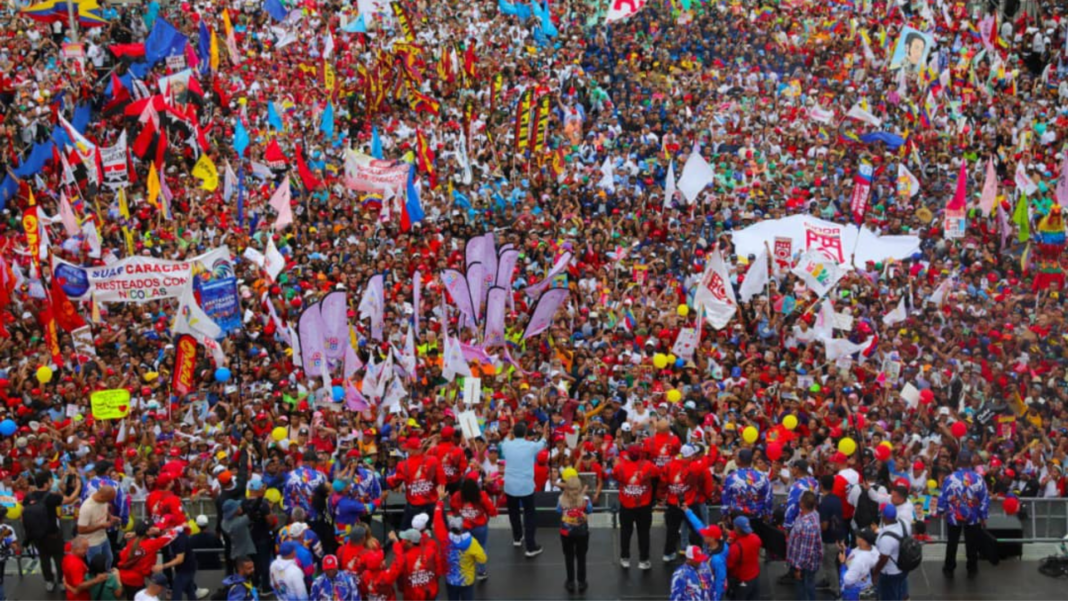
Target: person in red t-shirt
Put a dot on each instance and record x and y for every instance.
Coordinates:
(688, 483)
(357, 546)
(421, 474)
(452, 458)
(541, 469)
(476, 508)
(138, 557)
(75, 570)
(636, 477)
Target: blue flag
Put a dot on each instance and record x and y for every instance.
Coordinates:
(8, 190)
(241, 140)
(204, 47)
(35, 162)
(275, 9)
(460, 200)
(163, 41)
(542, 12)
(273, 118)
(357, 26)
(327, 124)
(376, 143)
(80, 118)
(412, 207)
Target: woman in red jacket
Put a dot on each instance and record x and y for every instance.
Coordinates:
(377, 582)
(476, 508)
(424, 563)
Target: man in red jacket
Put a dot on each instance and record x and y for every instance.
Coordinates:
(424, 563)
(743, 560)
(452, 458)
(688, 483)
(636, 477)
(421, 474)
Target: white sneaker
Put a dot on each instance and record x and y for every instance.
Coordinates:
(669, 558)
(645, 565)
(518, 543)
(536, 551)
(625, 562)
(202, 593)
(50, 586)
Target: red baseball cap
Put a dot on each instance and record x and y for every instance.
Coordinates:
(712, 531)
(694, 553)
(448, 432)
(330, 562)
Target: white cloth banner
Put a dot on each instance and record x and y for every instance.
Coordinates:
(141, 279)
(802, 229)
(364, 174)
(819, 272)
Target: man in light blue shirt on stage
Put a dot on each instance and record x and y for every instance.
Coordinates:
(519, 455)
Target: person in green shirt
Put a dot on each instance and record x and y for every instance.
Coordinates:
(111, 588)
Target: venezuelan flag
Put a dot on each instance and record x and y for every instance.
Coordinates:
(50, 11)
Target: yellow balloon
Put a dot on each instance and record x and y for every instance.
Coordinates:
(193, 528)
(683, 310)
(789, 422)
(129, 525)
(279, 433)
(847, 446)
(15, 511)
(660, 361)
(674, 396)
(568, 473)
(750, 434)
(671, 359)
(272, 495)
(887, 444)
(932, 484)
(44, 374)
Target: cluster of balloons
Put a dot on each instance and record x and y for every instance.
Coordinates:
(661, 361)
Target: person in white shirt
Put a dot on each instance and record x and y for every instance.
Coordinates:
(858, 565)
(287, 579)
(906, 512)
(892, 581)
(154, 587)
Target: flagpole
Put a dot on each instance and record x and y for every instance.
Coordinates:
(72, 23)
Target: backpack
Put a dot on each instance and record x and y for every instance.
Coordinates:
(223, 592)
(36, 523)
(910, 551)
(867, 511)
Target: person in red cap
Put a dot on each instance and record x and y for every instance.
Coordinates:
(452, 458)
(420, 474)
(636, 477)
(692, 581)
(476, 508)
(334, 584)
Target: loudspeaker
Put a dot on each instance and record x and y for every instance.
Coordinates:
(1006, 527)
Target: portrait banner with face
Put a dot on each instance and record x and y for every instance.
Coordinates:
(911, 50)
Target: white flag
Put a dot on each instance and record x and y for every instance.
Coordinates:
(608, 178)
(454, 363)
(273, 261)
(229, 182)
(191, 319)
(938, 297)
(756, 278)
(280, 203)
(70, 222)
(696, 174)
(907, 184)
(715, 294)
(898, 315)
(842, 347)
(669, 186)
(824, 323)
(819, 272)
(861, 114)
(685, 343)
(621, 9)
(818, 113)
(1023, 181)
(394, 395)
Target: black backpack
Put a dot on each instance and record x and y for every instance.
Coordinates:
(910, 551)
(36, 523)
(223, 592)
(867, 511)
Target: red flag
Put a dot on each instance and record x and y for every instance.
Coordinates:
(64, 312)
(425, 155)
(309, 179)
(470, 59)
(48, 324)
(273, 156)
(960, 199)
(120, 96)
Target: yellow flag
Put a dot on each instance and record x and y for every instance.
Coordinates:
(205, 170)
(153, 185)
(329, 79)
(124, 209)
(213, 60)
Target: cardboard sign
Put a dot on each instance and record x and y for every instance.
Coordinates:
(83, 341)
(843, 321)
(469, 424)
(110, 404)
(911, 394)
(472, 391)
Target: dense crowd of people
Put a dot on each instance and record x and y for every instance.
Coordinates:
(290, 257)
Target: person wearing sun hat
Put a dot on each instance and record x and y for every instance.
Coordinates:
(689, 582)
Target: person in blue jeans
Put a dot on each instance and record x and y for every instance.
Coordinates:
(891, 580)
(519, 455)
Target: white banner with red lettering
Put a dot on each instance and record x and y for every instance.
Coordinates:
(835, 240)
(621, 9)
(366, 174)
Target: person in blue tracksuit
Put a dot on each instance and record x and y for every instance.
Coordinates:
(691, 580)
(716, 549)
